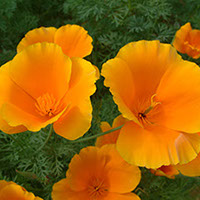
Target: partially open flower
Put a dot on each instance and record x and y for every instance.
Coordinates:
(169, 171)
(159, 94)
(12, 191)
(110, 138)
(187, 40)
(41, 86)
(96, 174)
(73, 39)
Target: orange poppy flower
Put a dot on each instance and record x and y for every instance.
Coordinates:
(41, 86)
(12, 191)
(187, 40)
(73, 39)
(96, 174)
(110, 138)
(159, 93)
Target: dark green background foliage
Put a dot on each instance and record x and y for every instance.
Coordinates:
(112, 24)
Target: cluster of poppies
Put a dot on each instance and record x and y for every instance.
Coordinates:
(157, 93)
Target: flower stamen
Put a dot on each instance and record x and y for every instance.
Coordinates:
(46, 105)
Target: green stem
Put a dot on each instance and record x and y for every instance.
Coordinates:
(47, 139)
(97, 135)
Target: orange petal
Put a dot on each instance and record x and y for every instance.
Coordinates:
(13, 94)
(13, 191)
(179, 95)
(42, 68)
(82, 81)
(119, 78)
(181, 37)
(41, 34)
(17, 107)
(140, 146)
(62, 190)
(11, 129)
(110, 138)
(15, 116)
(74, 40)
(117, 196)
(146, 72)
(193, 46)
(122, 176)
(190, 169)
(77, 120)
(169, 171)
(84, 166)
(132, 79)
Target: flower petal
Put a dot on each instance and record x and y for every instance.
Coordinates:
(42, 68)
(193, 48)
(117, 196)
(13, 94)
(77, 120)
(91, 162)
(15, 192)
(123, 177)
(11, 129)
(190, 169)
(15, 116)
(168, 171)
(181, 37)
(179, 95)
(155, 146)
(119, 78)
(148, 61)
(133, 79)
(110, 138)
(41, 34)
(62, 190)
(74, 40)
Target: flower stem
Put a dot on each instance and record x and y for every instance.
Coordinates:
(97, 135)
(47, 139)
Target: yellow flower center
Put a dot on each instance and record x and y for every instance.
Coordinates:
(46, 105)
(97, 189)
(142, 116)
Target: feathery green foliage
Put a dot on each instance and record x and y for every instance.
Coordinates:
(112, 24)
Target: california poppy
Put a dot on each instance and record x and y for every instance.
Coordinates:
(73, 39)
(96, 174)
(159, 94)
(187, 40)
(12, 191)
(41, 86)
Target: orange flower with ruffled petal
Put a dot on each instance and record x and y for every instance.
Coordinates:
(159, 93)
(96, 174)
(12, 191)
(187, 40)
(110, 138)
(41, 86)
(73, 39)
